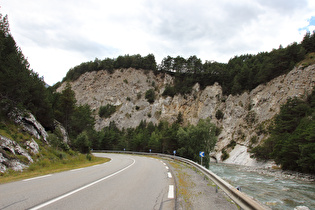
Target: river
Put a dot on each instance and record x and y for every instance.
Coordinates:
(272, 192)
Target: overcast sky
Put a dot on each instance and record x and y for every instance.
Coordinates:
(56, 35)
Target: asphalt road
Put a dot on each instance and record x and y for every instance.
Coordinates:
(126, 182)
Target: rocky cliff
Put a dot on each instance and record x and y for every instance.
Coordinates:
(243, 123)
(20, 141)
(17, 155)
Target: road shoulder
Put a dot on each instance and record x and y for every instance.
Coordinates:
(196, 191)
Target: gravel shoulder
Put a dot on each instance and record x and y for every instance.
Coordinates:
(195, 191)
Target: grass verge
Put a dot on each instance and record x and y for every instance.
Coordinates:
(46, 166)
(183, 184)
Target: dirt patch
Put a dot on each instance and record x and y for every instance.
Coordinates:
(195, 191)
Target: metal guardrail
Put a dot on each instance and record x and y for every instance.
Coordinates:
(240, 198)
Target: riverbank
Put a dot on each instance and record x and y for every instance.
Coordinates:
(281, 174)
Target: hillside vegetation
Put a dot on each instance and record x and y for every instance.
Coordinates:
(292, 140)
(241, 73)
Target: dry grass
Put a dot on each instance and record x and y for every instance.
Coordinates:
(309, 60)
(183, 184)
(47, 167)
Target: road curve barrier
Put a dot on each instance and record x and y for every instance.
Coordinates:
(243, 200)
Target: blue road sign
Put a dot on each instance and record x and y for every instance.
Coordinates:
(174, 152)
(201, 154)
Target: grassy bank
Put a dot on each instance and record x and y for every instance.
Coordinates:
(48, 165)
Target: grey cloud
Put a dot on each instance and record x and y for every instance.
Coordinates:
(286, 7)
(185, 27)
(63, 36)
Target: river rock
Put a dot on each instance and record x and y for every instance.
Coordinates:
(301, 208)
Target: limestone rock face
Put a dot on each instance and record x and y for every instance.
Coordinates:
(63, 131)
(11, 148)
(245, 119)
(29, 124)
(125, 89)
(32, 146)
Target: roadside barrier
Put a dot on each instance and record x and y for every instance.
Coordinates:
(240, 198)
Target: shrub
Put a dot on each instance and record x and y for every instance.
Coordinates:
(150, 96)
(253, 140)
(219, 114)
(250, 117)
(107, 111)
(169, 91)
(232, 144)
(139, 95)
(225, 155)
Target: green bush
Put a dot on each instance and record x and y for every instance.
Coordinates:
(232, 144)
(150, 96)
(169, 91)
(219, 114)
(292, 136)
(225, 155)
(107, 111)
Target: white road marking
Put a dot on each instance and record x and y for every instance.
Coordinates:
(169, 175)
(171, 191)
(166, 167)
(81, 188)
(39, 177)
(78, 169)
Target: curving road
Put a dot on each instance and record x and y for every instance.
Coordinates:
(126, 182)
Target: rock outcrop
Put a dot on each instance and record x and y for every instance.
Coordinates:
(243, 124)
(11, 149)
(29, 124)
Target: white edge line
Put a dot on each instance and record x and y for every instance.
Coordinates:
(81, 188)
(171, 191)
(169, 175)
(78, 169)
(39, 177)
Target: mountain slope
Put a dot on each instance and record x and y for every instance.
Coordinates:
(243, 121)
